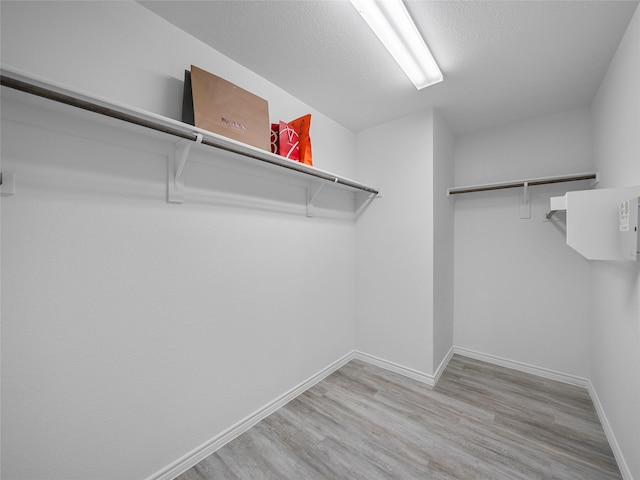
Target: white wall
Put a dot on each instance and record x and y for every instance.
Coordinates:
(394, 246)
(443, 234)
(134, 330)
(615, 363)
(405, 244)
(520, 292)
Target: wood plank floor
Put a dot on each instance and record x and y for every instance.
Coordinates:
(480, 422)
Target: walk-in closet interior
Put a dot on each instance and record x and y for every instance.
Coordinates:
(450, 289)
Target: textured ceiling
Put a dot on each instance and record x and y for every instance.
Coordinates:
(502, 61)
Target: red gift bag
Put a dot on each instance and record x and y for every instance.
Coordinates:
(275, 138)
(289, 142)
(303, 125)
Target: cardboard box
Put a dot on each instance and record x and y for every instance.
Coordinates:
(221, 107)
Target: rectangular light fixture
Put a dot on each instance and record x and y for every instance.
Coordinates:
(393, 25)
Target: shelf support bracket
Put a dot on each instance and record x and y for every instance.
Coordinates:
(312, 192)
(525, 202)
(7, 183)
(551, 213)
(176, 164)
(363, 203)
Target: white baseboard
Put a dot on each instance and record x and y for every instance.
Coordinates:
(523, 367)
(565, 378)
(443, 365)
(617, 452)
(430, 380)
(199, 453)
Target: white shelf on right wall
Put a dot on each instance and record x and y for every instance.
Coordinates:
(602, 224)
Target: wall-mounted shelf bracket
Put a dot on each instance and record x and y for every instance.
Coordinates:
(362, 202)
(313, 190)
(525, 202)
(558, 204)
(7, 183)
(176, 164)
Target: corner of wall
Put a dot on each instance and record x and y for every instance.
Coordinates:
(443, 235)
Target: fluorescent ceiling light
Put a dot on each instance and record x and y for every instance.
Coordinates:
(391, 22)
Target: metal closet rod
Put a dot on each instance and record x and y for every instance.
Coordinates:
(521, 183)
(83, 104)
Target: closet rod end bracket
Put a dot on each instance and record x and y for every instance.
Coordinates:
(312, 192)
(175, 181)
(551, 213)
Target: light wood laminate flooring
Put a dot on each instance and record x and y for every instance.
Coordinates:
(480, 422)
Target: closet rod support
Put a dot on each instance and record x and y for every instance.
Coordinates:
(365, 203)
(183, 147)
(312, 193)
(176, 164)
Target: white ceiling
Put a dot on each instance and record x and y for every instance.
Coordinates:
(502, 61)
